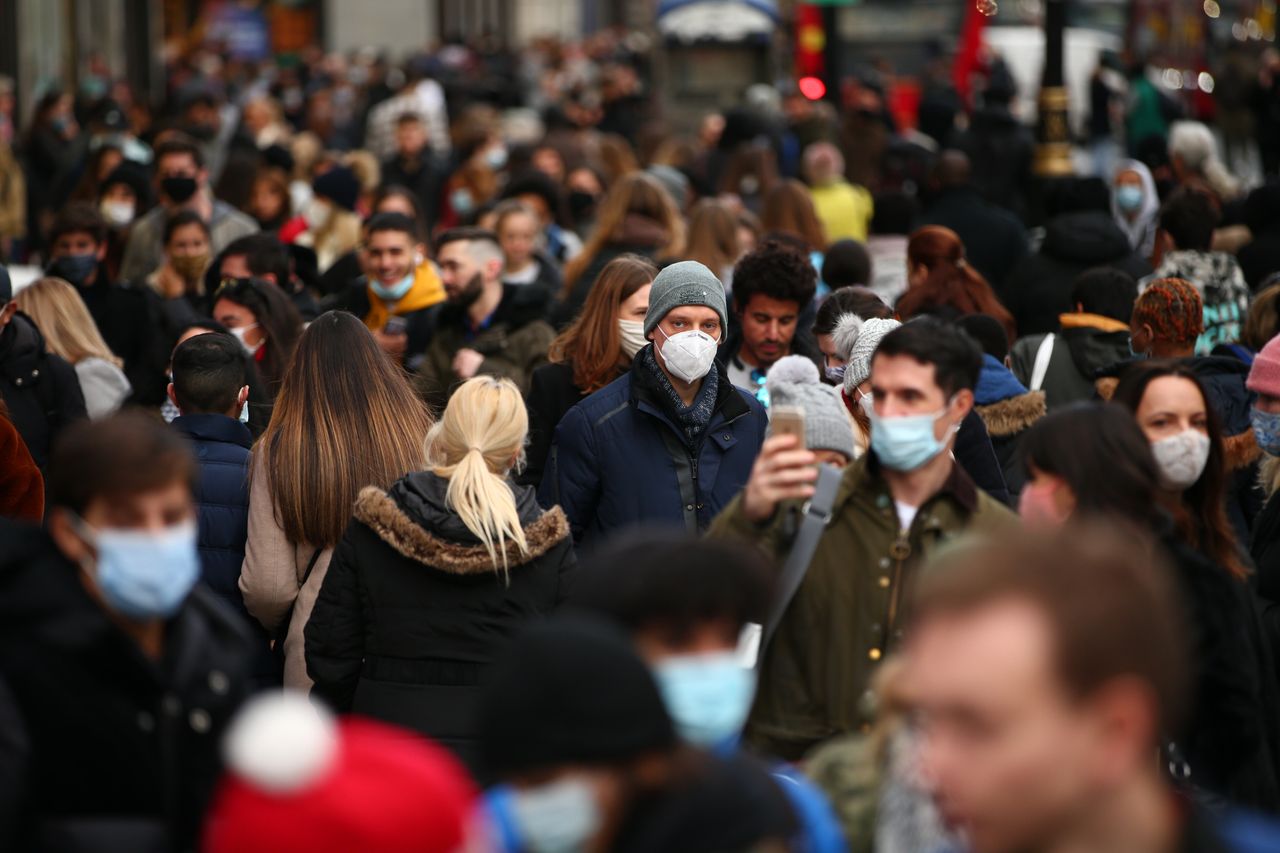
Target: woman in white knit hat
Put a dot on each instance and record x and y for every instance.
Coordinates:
(855, 341)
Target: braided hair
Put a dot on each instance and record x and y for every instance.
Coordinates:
(1173, 309)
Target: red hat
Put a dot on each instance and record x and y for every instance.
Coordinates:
(1264, 376)
(299, 780)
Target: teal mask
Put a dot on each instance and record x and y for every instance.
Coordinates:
(707, 695)
(392, 292)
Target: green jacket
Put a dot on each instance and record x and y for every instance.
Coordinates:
(848, 612)
(514, 341)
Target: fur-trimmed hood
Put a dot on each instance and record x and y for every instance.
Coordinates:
(1013, 415)
(412, 519)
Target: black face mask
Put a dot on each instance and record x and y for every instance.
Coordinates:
(179, 188)
(581, 204)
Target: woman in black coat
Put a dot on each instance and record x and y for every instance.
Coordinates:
(594, 351)
(434, 576)
(1093, 461)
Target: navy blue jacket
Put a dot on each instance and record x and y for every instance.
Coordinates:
(221, 446)
(619, 459)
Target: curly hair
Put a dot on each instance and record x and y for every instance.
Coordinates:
(777, 271)
(1173, 309)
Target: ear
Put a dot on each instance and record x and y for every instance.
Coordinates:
(65, 538)
(964, 402)
(102, 251)
(494, 269)
(173, 398)
(242, 397)
(269, 276)
(6, 313)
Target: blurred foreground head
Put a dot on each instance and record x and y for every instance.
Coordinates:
(1043, 669)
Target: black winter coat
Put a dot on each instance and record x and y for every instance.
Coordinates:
(1264, 548)
(40, 389)
(551, 394)
(1231, 740)
(113, 750)
(412, 611)
(1260, 258)
(1038, 290)
(994, 239)
(133, 323)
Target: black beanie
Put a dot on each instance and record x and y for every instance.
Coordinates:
(570, 691)
(340, 185)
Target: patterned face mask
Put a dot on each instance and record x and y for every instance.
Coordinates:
(1266, 428)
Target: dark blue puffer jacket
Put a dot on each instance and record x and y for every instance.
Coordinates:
(221, 446)
(619, 460)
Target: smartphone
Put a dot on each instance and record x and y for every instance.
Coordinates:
(395, 326)
(787, 420)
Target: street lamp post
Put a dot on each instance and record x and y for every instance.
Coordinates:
(1053, 134)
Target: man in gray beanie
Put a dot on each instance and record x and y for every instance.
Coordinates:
(671, 441)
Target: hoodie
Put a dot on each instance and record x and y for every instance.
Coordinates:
(1141, 229)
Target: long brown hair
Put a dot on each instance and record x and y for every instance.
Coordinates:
(345, 418)
(788, 208)
(636, 194)
(952, 282)
(592, 344)
(275, 315)
(713, 235)
(1201, 516)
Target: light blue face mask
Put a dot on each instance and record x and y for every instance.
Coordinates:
(393, 291)
(560, 817)
(1129, 198)
(144, 575)
(905, 443)
(1266, 428)
(461, 201)
(707, 695)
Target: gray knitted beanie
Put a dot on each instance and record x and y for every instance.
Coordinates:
(856, 341)
(793, 381)
(685, 283)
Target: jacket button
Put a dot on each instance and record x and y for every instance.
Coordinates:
(18, 382)
(874, 654)
(728, 437)
(146, 722)
(218, 682)
(699, 506)
(884, 562)
(171, 705)
(35, 373)
(200, 721)
(688, 507)
(884, 581)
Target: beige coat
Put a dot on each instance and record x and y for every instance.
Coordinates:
(271, 575)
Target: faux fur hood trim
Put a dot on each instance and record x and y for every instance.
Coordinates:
(383, 515)
(1012, 416)
(1106, 387)
(1241, 450)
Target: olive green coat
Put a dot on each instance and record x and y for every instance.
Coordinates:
(848, 612)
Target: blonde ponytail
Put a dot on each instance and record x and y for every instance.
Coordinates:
(473, 446)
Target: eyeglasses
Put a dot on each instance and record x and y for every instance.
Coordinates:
(234, 287)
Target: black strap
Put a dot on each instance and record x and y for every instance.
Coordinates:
(282, 630)
(817, 512)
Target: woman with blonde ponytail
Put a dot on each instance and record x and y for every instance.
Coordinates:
(436, 574)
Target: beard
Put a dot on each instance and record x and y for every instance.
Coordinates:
(469, 293)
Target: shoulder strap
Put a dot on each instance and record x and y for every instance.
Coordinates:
(1041, 367)
(311, 564)
(817, 512)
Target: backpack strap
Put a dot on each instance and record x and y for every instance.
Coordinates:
(1043, 355)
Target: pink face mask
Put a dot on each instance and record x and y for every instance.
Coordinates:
(1038, 505)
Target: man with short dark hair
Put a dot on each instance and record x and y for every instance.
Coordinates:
(118, 671)
(1043, 673)
(485, 328)
(400, 295)
(772, 287)
(1093, 337)
(1184, 250)
(40, 390)
(414, 165)
(182, 181)
(129, 317)
(263, 256)
(212, 395)
(900, 502)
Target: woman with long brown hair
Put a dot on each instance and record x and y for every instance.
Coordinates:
(713, 239)
(594, 351)
(941, 281)
(637, 216)
(262, 317)
(788, 209)
(345, 418)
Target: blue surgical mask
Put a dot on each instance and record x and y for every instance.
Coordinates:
(393, 292)
(244, 413)
(835, 374)
(1129, 198)
(141, 574)
(905, 443)
(560, 817)
(707, 695)
(496, 157)
(461, 201)
(1266, 428)
(74, 268)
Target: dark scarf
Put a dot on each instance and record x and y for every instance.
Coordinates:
(693, 420)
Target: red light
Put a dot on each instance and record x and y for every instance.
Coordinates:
(812, 88)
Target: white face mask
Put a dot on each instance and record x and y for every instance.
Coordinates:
(241, 332)
(632, 337)
(117, 213)
(1181, 458)
(689, 355)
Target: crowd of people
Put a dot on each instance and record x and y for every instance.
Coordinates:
(443, 456)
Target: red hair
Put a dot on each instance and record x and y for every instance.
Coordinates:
(952, 284)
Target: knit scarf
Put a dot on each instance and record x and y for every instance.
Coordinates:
(693, 419)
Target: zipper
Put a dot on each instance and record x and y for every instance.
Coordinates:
(899, 551)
